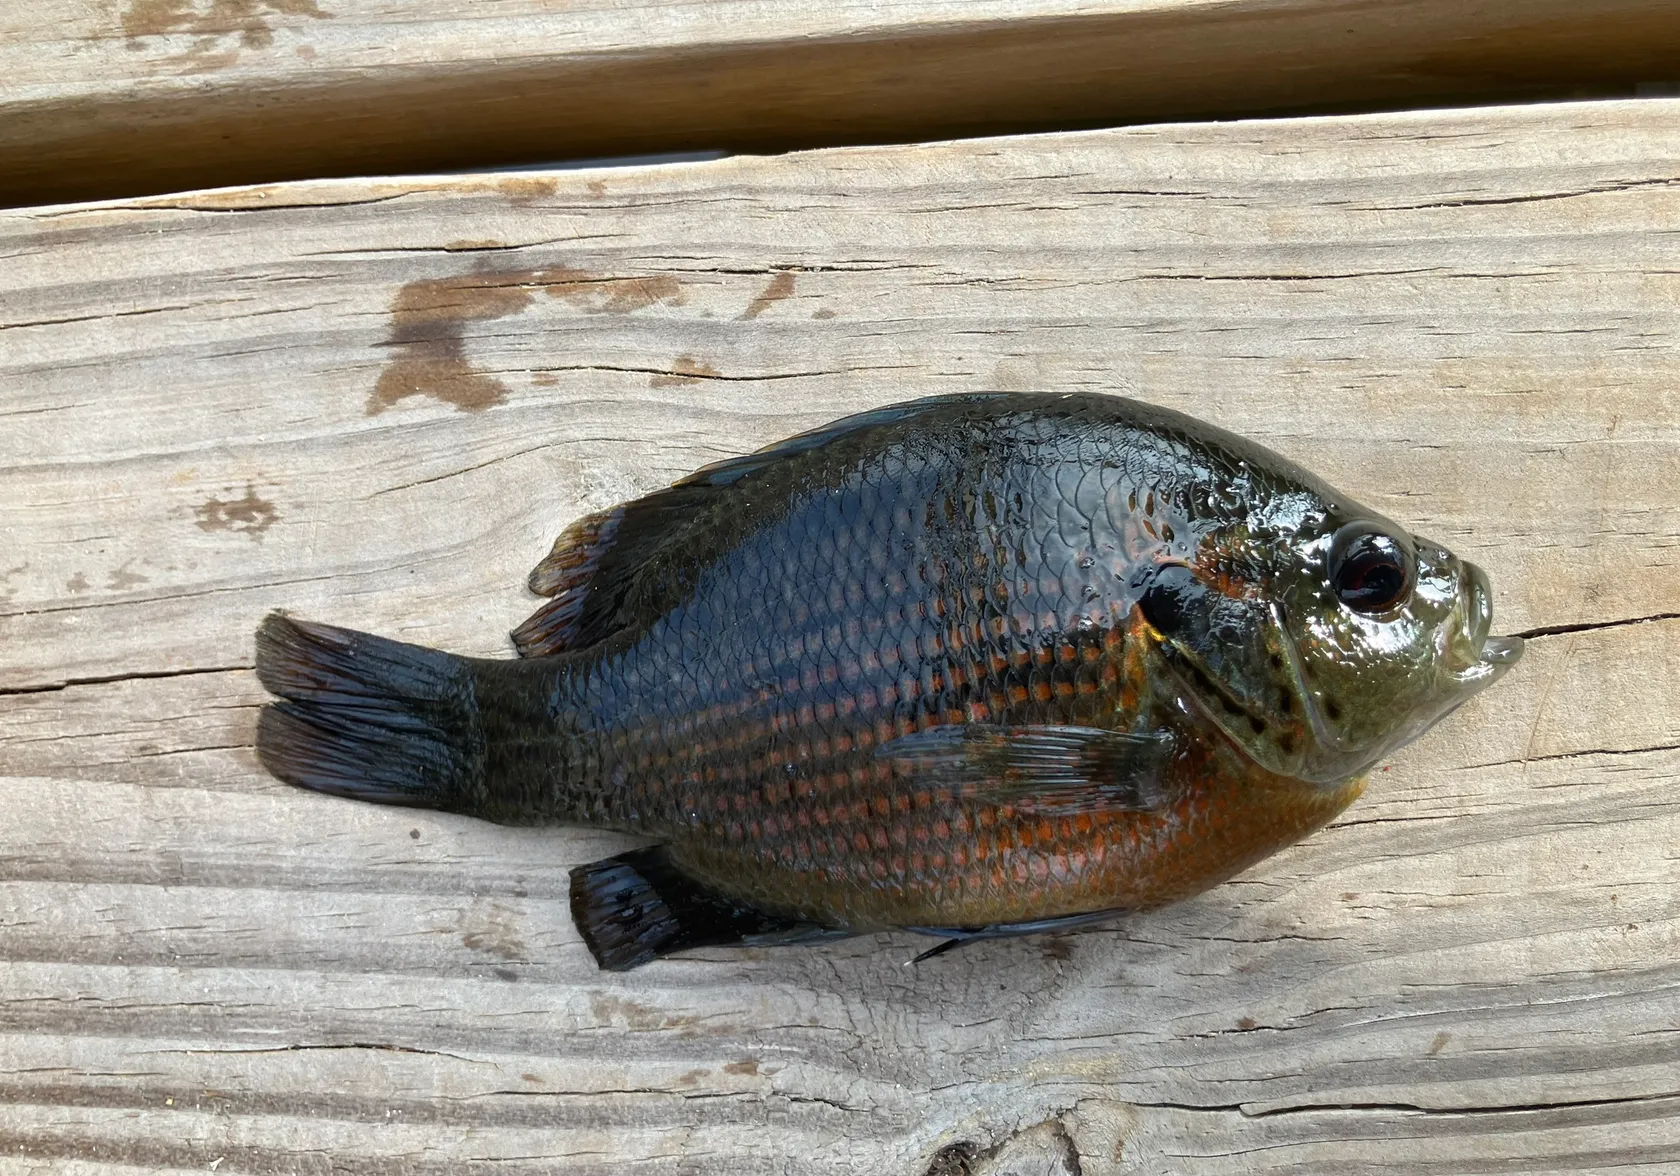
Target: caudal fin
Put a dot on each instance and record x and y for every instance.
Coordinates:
(368, 717)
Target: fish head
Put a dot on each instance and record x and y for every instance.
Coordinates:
(1320, 636)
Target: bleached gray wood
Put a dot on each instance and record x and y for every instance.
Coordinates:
(1468, 319)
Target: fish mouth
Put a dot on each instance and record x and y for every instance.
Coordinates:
(1478, 659)
(1501, 652)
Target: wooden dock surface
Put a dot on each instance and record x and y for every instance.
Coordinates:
(125, 97)
(376, 402)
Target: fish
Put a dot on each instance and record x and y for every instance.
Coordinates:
(972, 666)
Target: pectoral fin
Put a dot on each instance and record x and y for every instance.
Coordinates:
(1044, 768)
(955, 937)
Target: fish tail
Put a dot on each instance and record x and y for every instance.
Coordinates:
(370, 718)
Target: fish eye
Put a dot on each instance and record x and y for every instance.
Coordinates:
(1370, 569)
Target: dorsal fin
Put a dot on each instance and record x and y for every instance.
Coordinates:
(595, 562)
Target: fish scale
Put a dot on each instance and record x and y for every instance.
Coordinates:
(973, 662)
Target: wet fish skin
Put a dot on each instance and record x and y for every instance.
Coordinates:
(969, 662)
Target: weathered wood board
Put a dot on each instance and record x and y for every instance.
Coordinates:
(102, 98)
(377, 402)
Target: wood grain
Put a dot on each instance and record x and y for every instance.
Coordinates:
(377, 402)
(122, 97)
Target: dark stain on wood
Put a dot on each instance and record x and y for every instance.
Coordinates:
(545, 379)
(780, 287)
(598, 294)
(248, 20)
(491, 930)
(249, 515)
(641, 1018)
(123, 578)
(6, 590)
(685, 369)
(747, 1066)
(429, 318)
(824, 313)
(427, 321)
(78, 583)
(524, 190)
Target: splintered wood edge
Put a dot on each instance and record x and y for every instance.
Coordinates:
(148, 98)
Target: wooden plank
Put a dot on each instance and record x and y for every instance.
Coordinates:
(133, 96)
(376, 402)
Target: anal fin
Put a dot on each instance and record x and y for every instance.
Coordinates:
(639, 906)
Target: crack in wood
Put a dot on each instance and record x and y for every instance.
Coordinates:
(1593, 626)
(1536, 197)
(1411, 1108)
(131, 676)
